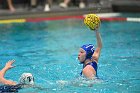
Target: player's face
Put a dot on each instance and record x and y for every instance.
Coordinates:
(81, 55)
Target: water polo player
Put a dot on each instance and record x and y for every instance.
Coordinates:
(26, 80)
(88, 55)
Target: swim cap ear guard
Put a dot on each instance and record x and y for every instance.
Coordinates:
(26, 78)
(89, 48)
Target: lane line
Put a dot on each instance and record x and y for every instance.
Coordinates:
(103, 17)
(12, 21)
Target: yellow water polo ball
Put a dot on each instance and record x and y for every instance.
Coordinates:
(92, 21)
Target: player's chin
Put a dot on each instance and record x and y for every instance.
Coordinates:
(80, 61)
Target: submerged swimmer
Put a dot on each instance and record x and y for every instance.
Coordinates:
(26, 80)
(89, 56)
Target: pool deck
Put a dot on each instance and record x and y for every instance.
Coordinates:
(24, 12)
(55, 11)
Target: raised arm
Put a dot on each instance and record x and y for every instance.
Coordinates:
(96, 54)
(3, 71)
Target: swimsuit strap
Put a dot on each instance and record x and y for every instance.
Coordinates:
(93, 64)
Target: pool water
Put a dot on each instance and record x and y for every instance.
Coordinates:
(49, 51)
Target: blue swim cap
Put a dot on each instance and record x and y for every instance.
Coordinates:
(89, 48)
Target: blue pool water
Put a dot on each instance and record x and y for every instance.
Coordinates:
(49, 50)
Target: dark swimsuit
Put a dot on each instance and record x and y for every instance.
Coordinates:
(10, 88)
(93, 64)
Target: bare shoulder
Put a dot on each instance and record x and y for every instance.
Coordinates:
(88, 69)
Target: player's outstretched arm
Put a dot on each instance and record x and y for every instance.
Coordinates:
(97, 52)
(4, 70)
